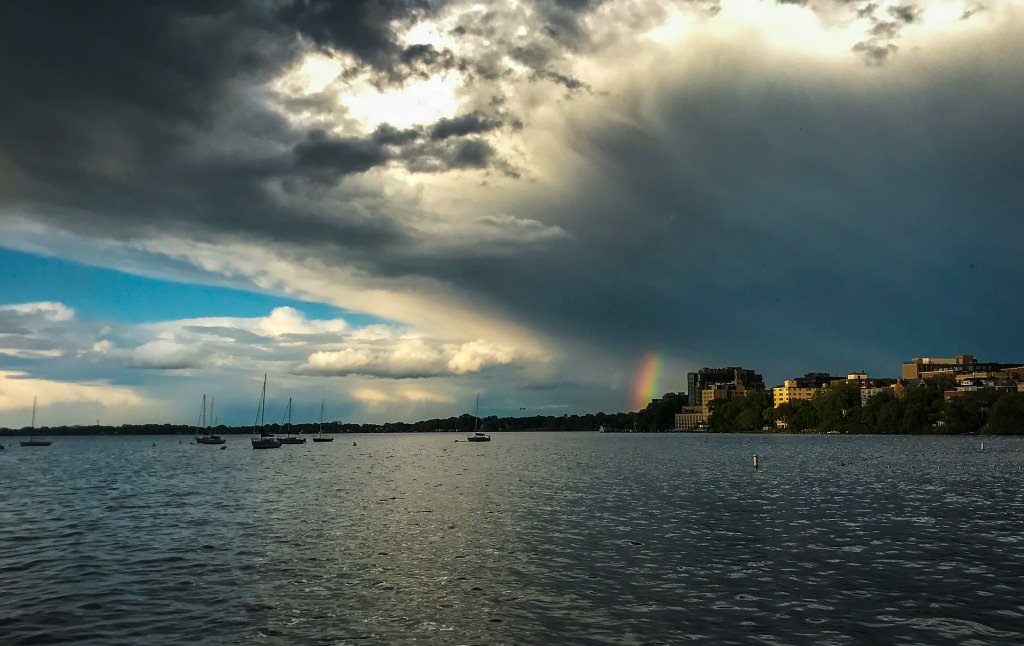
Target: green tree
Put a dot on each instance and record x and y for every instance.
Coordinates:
(881, 413)
(1007, 416)
(838, 408)
(743, 414)
(969, 412)
(799, 415)
(922, 408)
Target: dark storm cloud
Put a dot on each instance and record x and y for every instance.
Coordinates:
(875, 54)
(744, 215)
(881, 46)
(336, 157)
(128, 119)
(810, 222)
(367, 29)
(361, 27)
(469, 124)
(907, 13)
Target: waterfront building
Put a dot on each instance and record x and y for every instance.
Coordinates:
(802, 387)
(696, 414)
(931, 367)
(707, 377)
(691, 418)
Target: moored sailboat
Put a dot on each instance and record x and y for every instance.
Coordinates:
(289, 438)
(33, 440)
(320, 437)
(264, 440)
(208, 438)
(477, 436)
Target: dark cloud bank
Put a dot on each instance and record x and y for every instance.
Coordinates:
(785, 218)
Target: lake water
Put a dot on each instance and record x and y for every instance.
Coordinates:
(533, 538)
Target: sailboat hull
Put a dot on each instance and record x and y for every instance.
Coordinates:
(266, 443)
(323, 439)
(210, 439)
(292, 440)
(35, 442)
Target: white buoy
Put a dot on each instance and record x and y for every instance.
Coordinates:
(983, 445)
(755, 461)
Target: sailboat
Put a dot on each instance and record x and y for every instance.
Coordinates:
(208, 438)
(477, 436)
(33, 440)
(264, 440)
(291, 439)
(320, 437)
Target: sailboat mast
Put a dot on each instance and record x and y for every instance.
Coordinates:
(213, 423)
(476, 415)
(259, 409)
(289, 415)
(203, 415)
(322, 416)
(34, 413)
(263, 402)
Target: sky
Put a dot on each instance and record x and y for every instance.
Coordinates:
(390, 206)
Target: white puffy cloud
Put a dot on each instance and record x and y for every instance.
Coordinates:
(409, 357)
(162, 354)
(17, 391)
(476, 355)
(44, 310)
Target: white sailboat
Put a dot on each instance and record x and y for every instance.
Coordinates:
(33, 440)
(263, 440)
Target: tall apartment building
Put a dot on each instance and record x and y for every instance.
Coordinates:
(706, 377)
(710, 384)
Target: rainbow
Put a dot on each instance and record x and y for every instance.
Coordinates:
(646, 382)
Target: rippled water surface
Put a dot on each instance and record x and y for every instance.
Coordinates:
(533, 538)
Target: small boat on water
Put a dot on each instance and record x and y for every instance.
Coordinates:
(320, 437)
(33, 440)
(207, 438)
(289, 438)
(477, 436)
(263, 440)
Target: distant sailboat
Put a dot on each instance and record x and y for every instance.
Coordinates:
(477, 436)
(207, 438)
(289, 438)
(320, 437)
(263, 440)
(33, 440)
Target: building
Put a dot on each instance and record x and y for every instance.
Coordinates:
(1005, 380)
(691, 418)
(790, 391)
(930, 367)
(706, 377)
(802, 387)
(868, 393)
(900, 388)
(695, 416)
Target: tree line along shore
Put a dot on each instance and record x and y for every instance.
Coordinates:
(837, 409)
